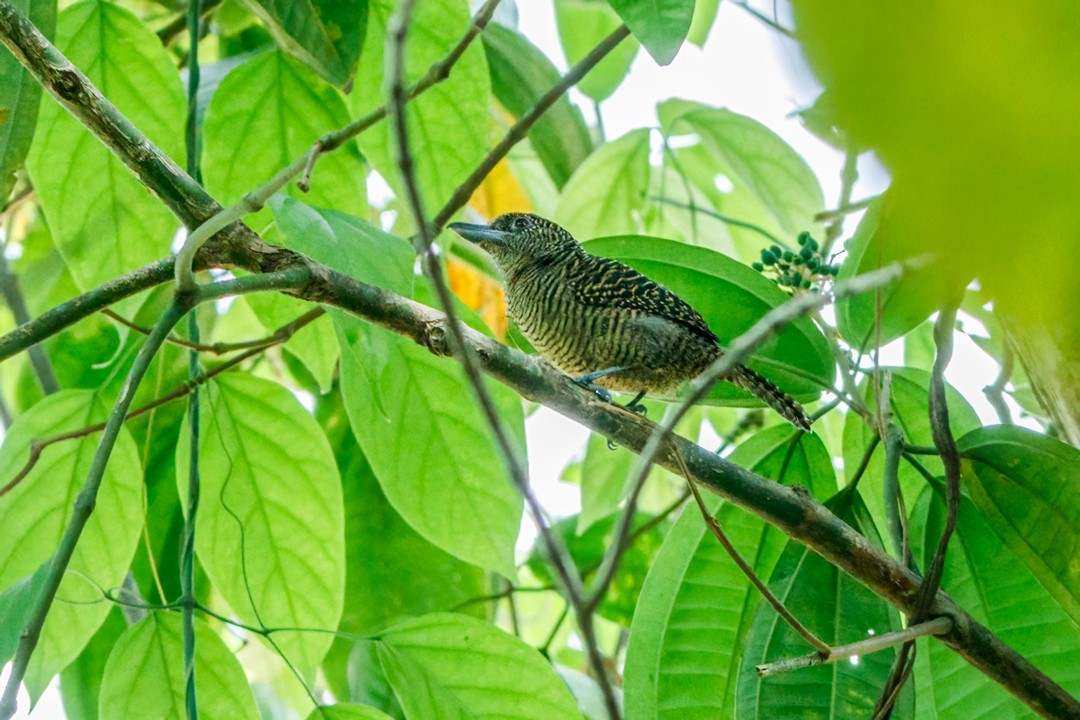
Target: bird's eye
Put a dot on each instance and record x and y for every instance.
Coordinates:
(519, 223)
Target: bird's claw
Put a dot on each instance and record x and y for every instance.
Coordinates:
(587, 381)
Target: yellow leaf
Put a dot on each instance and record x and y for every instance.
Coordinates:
(500, 193)
(480, 293)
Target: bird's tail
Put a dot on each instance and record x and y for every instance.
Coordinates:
(771, 395)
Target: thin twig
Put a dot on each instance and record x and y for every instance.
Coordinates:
(765, 19)
(219, 348)
(254, 201)
(187, 549)
(711, 522)
(995, 392)
(84, 505)
(180, 23)
(845, 209)
(726, 219)
(944, 328)
(435, 74)
(39, 360)
(937, 626)
(281, 335)
(849, 174)
(865, 461)
(521, 128)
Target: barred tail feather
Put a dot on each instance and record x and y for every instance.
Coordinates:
(771, 395)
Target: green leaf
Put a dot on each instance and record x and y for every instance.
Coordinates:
(144, 677)
(315, 344)
(704, 17)
(660, 25)
(772, 185)
(731, 297)
(80, 682)
(445, 666)
(269, 532)
(583, 24)
(392, 571)
(104, 221)
(250, 138)
(903, 303)
(347, 244)
(1027, 487)
(20, 98)
(347, 711)
(696, 606)
(448, 124)
(35, 513)
(999, 590)
(836, 608)
(429, 445)
(605, 190)
(520, 75)
(17, 608)
(587, 551)
(325, 34)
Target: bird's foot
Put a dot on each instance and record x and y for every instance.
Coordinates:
(635, 406)
(589, 381)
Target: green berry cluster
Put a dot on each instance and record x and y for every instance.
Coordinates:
(797, 270)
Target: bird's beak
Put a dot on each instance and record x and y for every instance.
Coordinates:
(478, 233)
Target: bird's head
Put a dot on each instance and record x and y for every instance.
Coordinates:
(517, 240)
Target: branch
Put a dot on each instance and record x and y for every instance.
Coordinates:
(938, 626)
(9, 287)
(823, 649)
(84, 505)
(521, 128)
(281, 335)
(799, 516)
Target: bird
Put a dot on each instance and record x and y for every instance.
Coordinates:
(603, 323)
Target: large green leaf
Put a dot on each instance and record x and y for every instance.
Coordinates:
(448, 124)
(315, 344)
(836, 608)
(605, 190)
(1027, 487)
(988, 580)
(144, 677)
(35, 513)
(80, 682)
(704, 16)
(104, 221)
(250, 137)
(347, 711)
(20, 98)
(901, 305)
(660, 25)
(325, 34)
(447, 666)
(269, 532)
(772, 185)
(731, 297)
(520, 75)
(424, 436)
(429, 444)
(696, 606)
(17, 608)
(582, 25)
(392, 571)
